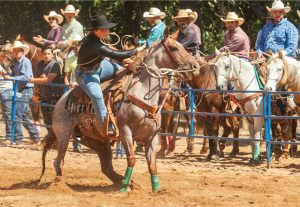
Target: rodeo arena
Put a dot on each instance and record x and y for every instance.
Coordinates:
(168, 124)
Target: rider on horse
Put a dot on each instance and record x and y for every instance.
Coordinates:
(93, 67)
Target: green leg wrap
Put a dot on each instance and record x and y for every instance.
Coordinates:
(255, 152)
(155, 183)
(126, 179)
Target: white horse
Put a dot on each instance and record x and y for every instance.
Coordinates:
(242, 76)
(284, 71)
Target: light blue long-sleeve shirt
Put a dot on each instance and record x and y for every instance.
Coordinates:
(281, 36)
(156, 33)
(22, 71)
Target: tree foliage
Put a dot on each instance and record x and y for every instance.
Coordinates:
(27, 16)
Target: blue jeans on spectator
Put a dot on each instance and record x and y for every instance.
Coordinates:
(5, 99)
(22, 116)
(90, 81)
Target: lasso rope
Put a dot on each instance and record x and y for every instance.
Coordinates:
(124, 39)
(111, 44)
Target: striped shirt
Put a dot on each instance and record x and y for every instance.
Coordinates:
(281, 36)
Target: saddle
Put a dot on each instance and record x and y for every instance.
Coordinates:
(79, 102)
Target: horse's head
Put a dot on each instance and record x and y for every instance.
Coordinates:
(6, 54)
(222, 67)
(276, 71)
(178, 57)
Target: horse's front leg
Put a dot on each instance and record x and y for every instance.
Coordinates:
(127, 142)
(150, 151)
(254, 131)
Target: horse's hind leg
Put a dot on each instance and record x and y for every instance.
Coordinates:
(104, 153)
(150, 150)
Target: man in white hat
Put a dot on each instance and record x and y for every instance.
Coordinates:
(71, 27)
(22, 72)
(186, 35)
(236, 40)
(154, 17)
(192, 19)
(278, 33)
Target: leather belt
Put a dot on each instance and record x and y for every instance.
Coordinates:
(89, 68)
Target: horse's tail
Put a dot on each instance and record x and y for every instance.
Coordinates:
(50, 139)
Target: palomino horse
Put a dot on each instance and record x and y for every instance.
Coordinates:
(213, 103)
(134, 122)
(284, 71)
(242, 76)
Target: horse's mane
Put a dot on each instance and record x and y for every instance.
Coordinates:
(292, 62)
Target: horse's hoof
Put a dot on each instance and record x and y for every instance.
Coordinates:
(215, 157)
(253, 163)
(208, 158)
(187, 152)
(222, 154)
(233, 154)
(203, 150)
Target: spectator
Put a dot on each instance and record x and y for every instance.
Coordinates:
(154, 17)
(22, 71)
(71, 27)
(48, 71)
(5, 96)
(185, 35)
(54, 36)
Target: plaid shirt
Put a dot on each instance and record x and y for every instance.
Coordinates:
(281, 36)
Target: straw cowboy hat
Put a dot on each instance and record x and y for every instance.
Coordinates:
(100, 22)
(182, 13)
(70, 9)
(298, 12)
(278, 5)
(59, 18)
(154, 12)
(192, 15)
(231, 17)
(18, 44)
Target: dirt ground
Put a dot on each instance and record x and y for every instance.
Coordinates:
(185, 181)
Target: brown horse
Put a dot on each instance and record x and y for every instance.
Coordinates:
(214, 103)
(136, 120)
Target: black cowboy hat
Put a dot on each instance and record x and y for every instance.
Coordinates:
(100, 22)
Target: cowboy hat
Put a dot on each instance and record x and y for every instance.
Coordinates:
(192, 15)
(59, 18)
(231, 17)
(278, 5)
(100, 22)
(298, 12)
(18, 44)
(70, 9)
(182, 13)
(154, 12)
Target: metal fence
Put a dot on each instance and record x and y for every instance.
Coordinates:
(267, 116)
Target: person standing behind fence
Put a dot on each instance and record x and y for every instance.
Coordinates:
(71, 27)
(48, 72)
(54, 36)
(21, 72)
(154, 18)
(5, 97)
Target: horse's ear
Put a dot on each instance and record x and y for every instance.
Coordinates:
(280, 54)
(166, 32)
(270, 52)
(20, 38)
(217, 52)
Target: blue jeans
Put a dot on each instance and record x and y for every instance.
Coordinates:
(22, 116)
(90, 81)
(5, 99)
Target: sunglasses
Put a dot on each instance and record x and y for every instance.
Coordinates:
(51, 18)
